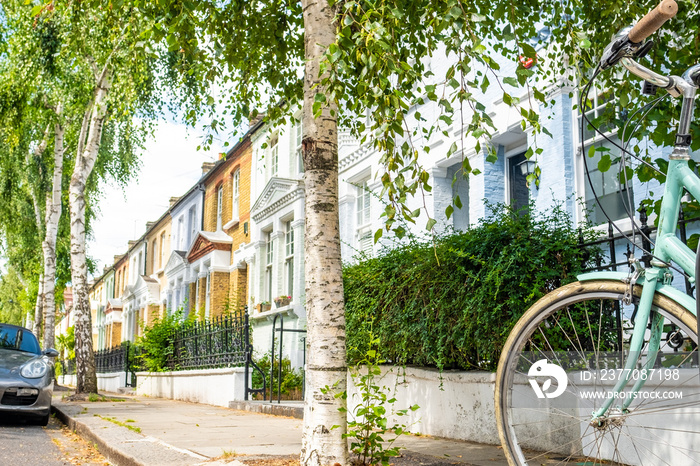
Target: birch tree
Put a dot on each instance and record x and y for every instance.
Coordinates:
(54, 208)
(115, 88)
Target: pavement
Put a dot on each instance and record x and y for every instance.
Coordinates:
(141, 431)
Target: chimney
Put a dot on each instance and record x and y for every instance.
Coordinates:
(254, 118)
(173, 201)
(206, 167)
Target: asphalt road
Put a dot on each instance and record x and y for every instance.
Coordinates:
(22, 443)
(25, 444)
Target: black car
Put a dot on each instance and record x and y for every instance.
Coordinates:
(26, 374)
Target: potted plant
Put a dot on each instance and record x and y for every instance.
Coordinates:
(282, 300)
(264, 306)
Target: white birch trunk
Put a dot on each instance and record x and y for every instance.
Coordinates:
(326, 364)
(53, 215)
(84, 163)
(39, 308)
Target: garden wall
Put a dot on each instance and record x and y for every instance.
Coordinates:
(209, 386)
(107, 382)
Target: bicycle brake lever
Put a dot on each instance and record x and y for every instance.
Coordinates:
(622, 47)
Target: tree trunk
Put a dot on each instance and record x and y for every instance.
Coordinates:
(326, 364)
(39, 308)
(84, 163)
(53, 215)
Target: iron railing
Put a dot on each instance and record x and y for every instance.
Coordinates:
(613, 241)
(219, 342)
(112, 359)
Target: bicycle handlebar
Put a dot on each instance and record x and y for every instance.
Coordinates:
(653, 20)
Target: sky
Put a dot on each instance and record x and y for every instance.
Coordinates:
(170, 165)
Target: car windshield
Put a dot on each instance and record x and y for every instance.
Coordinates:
(17, 338)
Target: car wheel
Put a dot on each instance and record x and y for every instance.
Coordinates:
(42, 420)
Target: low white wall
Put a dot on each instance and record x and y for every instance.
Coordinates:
(108, 382)
(209, 386)
(111, 381)
(68, 380)
(453, 404)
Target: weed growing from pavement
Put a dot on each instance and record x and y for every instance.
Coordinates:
(369, 424)
(113, 420)
(228, 454)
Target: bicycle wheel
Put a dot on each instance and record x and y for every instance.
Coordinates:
(560, 363)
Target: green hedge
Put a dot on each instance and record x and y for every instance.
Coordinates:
(451, 302)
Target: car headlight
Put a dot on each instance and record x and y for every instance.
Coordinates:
(34, 369)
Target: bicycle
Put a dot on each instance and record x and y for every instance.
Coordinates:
(572, 386)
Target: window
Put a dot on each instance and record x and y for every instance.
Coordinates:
(274, 156)
(154, 255)
(612, 194)
(518, 189)
(235, 182)
(181, 233)
(207, 303)
(289, 258)
(191, 225)
(219, 206)
(162, 250)
(364, 227)
(269, 257)
(363, 204)
(299, 156)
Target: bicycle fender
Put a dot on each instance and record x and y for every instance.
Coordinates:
(667, 290)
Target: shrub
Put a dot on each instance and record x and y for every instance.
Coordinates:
(292, 379)
(451, 303)
(156, 344)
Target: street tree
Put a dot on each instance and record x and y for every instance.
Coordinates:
(348, 59)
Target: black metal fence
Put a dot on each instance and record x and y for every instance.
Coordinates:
(219, 342)
(112, 359)
(615, 241)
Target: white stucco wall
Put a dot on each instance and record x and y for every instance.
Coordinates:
(208, 386)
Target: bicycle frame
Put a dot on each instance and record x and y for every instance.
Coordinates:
(668, 247)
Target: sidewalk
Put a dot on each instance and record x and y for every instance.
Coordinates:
(166, 432)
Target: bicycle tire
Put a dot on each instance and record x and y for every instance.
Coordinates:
(537, 431)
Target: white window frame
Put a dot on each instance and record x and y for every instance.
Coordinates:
(298, 135)
(274, 155)
(289, 258)
(269, 261)
(219, 206)
(235, 197)
(596, 109)
(363, 217)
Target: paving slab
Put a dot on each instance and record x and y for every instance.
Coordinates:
(181, 433)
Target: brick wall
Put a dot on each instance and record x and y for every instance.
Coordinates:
(219, 293)
(238, 292)
(191, 304)
(201, 299)
(114, 334)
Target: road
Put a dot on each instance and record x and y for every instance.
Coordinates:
(24, 444)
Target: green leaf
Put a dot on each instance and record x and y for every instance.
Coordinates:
(448, 211)
(377, 235)
(431, 223)
(604, 163)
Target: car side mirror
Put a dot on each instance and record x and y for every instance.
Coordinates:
(50, 352)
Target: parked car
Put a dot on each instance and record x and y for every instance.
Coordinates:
(26, 374)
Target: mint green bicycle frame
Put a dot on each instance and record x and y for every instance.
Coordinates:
(668, 247)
